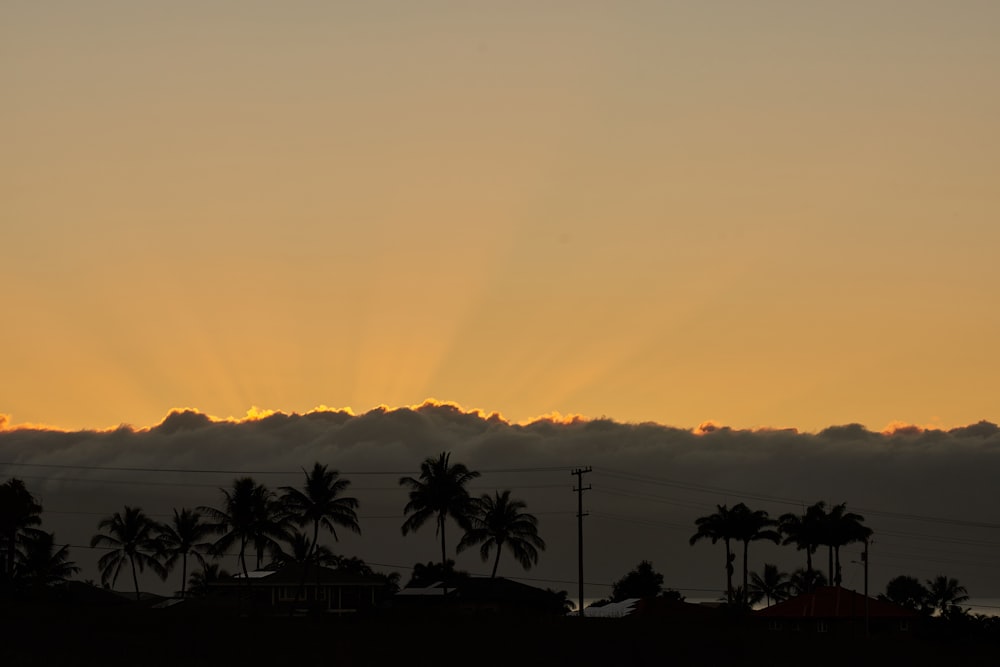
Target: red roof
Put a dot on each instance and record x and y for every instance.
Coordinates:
(834, 602)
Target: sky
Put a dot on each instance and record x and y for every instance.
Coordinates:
(774, 214)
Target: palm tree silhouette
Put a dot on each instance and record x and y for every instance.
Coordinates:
(944, 593)
(321, 503)
(131, 538)
(719, 526)
(841, 528)
(42, 564)
(496, 521)
(805, 532)
(751, 526)
(439, 492)
(183, 536)
(249, 518)
(19, 514)
(805, 581)
(771, 584)
(302, 551)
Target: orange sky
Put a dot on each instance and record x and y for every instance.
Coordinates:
(773, 213)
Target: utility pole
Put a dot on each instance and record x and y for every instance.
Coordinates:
(580, 472)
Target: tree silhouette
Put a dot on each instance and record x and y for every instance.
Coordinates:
(907, 592)
(180, 537)
(426, 574)
(805, 581)
(751, 526)
(771, 584)
(200, 580)
(715, 527)
(248, 517)
(496, 521)
(560, 602)
(320, 503)
(302, 551)
(642, 582)
(19, 514)
(945, 594)
(439, 492)
(42, 564)
(841, 528)
(131, 538)
(805, 532)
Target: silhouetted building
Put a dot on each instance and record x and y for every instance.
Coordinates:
(479, 595)
(323, 589)
(832, 609)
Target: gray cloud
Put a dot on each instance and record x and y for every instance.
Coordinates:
(920, 490)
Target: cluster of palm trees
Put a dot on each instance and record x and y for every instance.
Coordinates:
(490, 521)
(817, 526)
(941, 594)
(29, 556)
(274, 528)
(251, 517)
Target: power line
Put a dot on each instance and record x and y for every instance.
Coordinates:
(206, 471)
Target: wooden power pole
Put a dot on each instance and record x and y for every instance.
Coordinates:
(580, 472)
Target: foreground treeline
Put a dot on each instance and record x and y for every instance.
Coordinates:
(268, 527)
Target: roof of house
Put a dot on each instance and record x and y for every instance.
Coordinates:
(481, 589)
(832, 602)
(291, 575)
(612, 609)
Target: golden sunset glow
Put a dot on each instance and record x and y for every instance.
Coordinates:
(763, 215)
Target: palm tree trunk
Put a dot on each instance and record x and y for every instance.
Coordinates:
(135, 579)
(184, 573)
(830, 558)
(243, 563)
(305, 569)
(496, 562)
(11, 550)
(729, 573)
(836, 556)
(746, 548)
(809, 569)
(444, 553)
(444, 561)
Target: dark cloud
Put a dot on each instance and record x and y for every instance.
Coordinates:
(922, 490)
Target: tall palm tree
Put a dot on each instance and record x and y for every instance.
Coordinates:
(321, 503)
(249, 518)
(42, 564)
(805, 532)
(751, 526)
(715, 527)
(19, 514)
(841, 528)
(131, 538)
(182, 536)
(497, 521)
(439, 492)
(944, 593)
(771, 584)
